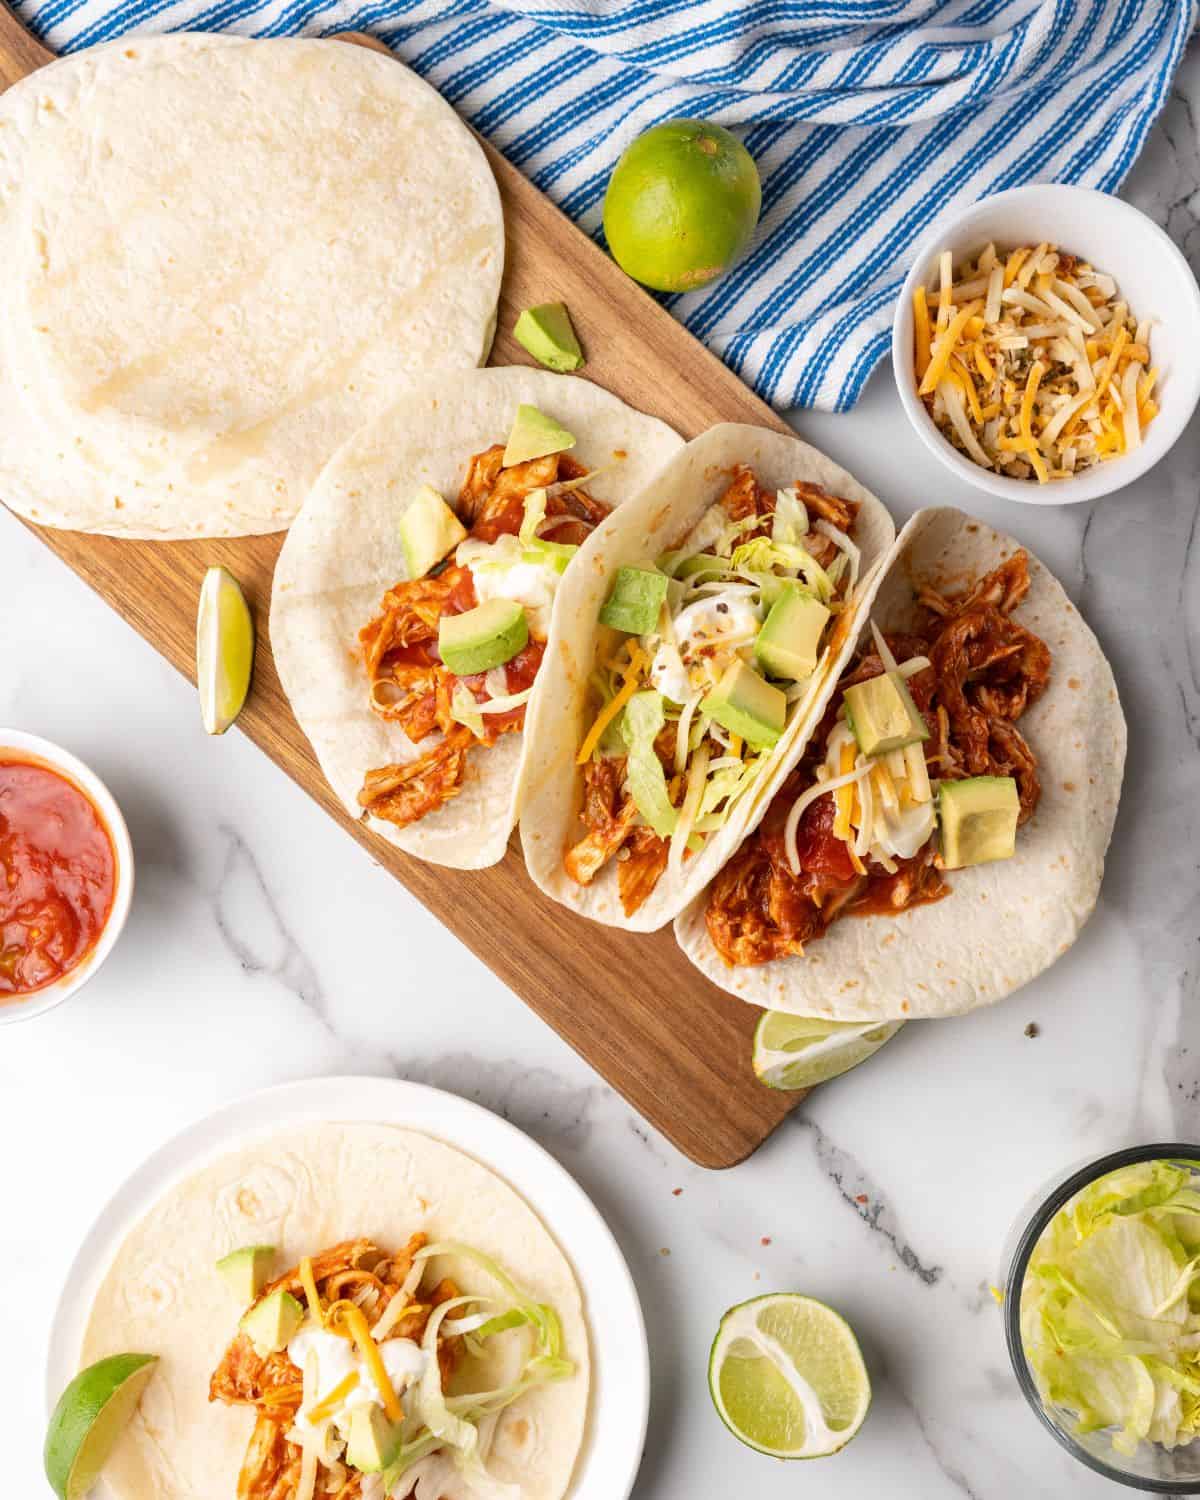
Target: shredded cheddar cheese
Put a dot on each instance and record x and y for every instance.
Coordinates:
(1035, 368)
(356, 1322)
(637, 665)
(327, 1406)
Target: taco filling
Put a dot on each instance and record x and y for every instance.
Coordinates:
(917, 768)
(455, 647)
(708, 655)
(359, 1365)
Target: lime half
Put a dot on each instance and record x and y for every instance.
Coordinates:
(787, 1376)
(798, 1052)
(89, 1418)
(224, 649)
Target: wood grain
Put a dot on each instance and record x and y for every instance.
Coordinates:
(673, 1045)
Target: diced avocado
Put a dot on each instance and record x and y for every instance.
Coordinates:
(247, 1270)
(789, 644)
(746, 704)
(270, 1324)
(547, 334)
(373, 1440)
(534, 435)
(978, 819)
(429, 530)
(882, 715)
(484, 637)
(554, 555)
(634, 601)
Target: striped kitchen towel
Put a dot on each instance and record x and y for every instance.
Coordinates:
(867, 119)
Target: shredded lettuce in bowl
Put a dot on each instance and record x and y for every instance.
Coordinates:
(1110, 1306)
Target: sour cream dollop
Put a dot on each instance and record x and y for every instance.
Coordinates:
(338, 1357)
(708, 636)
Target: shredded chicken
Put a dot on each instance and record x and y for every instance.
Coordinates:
(355, 1270)
(986, 670)
(409, 684)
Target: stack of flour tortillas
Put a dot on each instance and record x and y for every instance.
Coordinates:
(222, 257)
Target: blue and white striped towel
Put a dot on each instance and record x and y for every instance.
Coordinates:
(867, 119)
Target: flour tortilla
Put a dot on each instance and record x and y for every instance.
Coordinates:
(1002, 923)
(303, 1192)
(222, 257)
(344, 552)
(658, 520)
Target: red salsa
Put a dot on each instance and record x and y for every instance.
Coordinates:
(58, 877)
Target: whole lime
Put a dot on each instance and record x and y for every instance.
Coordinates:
(681, 205)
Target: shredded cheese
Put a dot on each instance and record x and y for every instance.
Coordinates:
(629, 684)
(327, 1407)
(1027, 371)
(357, 1324)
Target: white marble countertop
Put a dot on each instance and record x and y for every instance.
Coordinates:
(889, 1194)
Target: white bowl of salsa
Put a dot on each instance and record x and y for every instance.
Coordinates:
(66, 874)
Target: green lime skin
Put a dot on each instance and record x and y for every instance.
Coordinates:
(89, 1418)
(682, 204)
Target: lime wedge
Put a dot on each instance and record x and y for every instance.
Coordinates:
(224, 649)
(787, 1376)
(797, 1052)
(89, 1418)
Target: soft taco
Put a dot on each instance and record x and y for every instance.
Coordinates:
(413, 597)
(222, 256)
(690, 646)
(941, 838)
(350, 1311)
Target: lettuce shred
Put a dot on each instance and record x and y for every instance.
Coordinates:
(1110, 1307)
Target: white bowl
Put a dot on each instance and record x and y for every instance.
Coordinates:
(1151, 275)
(15, 744)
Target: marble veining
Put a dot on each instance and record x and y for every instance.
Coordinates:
(890, 1195)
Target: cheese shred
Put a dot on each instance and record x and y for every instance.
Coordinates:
(1034, 367)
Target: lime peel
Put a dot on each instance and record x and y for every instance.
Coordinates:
(763, 1395)
(799, 1052)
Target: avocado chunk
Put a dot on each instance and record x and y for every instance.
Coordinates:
(978, 819)
(484, 637)
(634, 601)
(534, 435)
(746, 704)
(373, 1440)
(429, 530)
(270, 1324)
(789, 644)
(247, 1270)
(547, 334)
(882, 715)
(554, 555)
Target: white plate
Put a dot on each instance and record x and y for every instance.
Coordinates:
(619, 1399)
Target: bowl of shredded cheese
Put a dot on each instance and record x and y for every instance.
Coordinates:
(1044, 344)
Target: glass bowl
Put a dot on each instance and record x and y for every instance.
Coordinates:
(1152, 1469)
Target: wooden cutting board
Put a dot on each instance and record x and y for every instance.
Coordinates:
(672, 1044)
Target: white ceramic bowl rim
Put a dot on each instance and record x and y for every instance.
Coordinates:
(16, 743)
(1114, 221)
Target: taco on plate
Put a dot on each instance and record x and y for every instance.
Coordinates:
(351, 1311)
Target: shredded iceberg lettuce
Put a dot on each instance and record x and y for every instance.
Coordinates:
(641, 722)
(1110, 1307)
(764, 559)
(454, 1428)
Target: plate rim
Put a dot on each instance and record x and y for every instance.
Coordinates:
(539, 1179)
